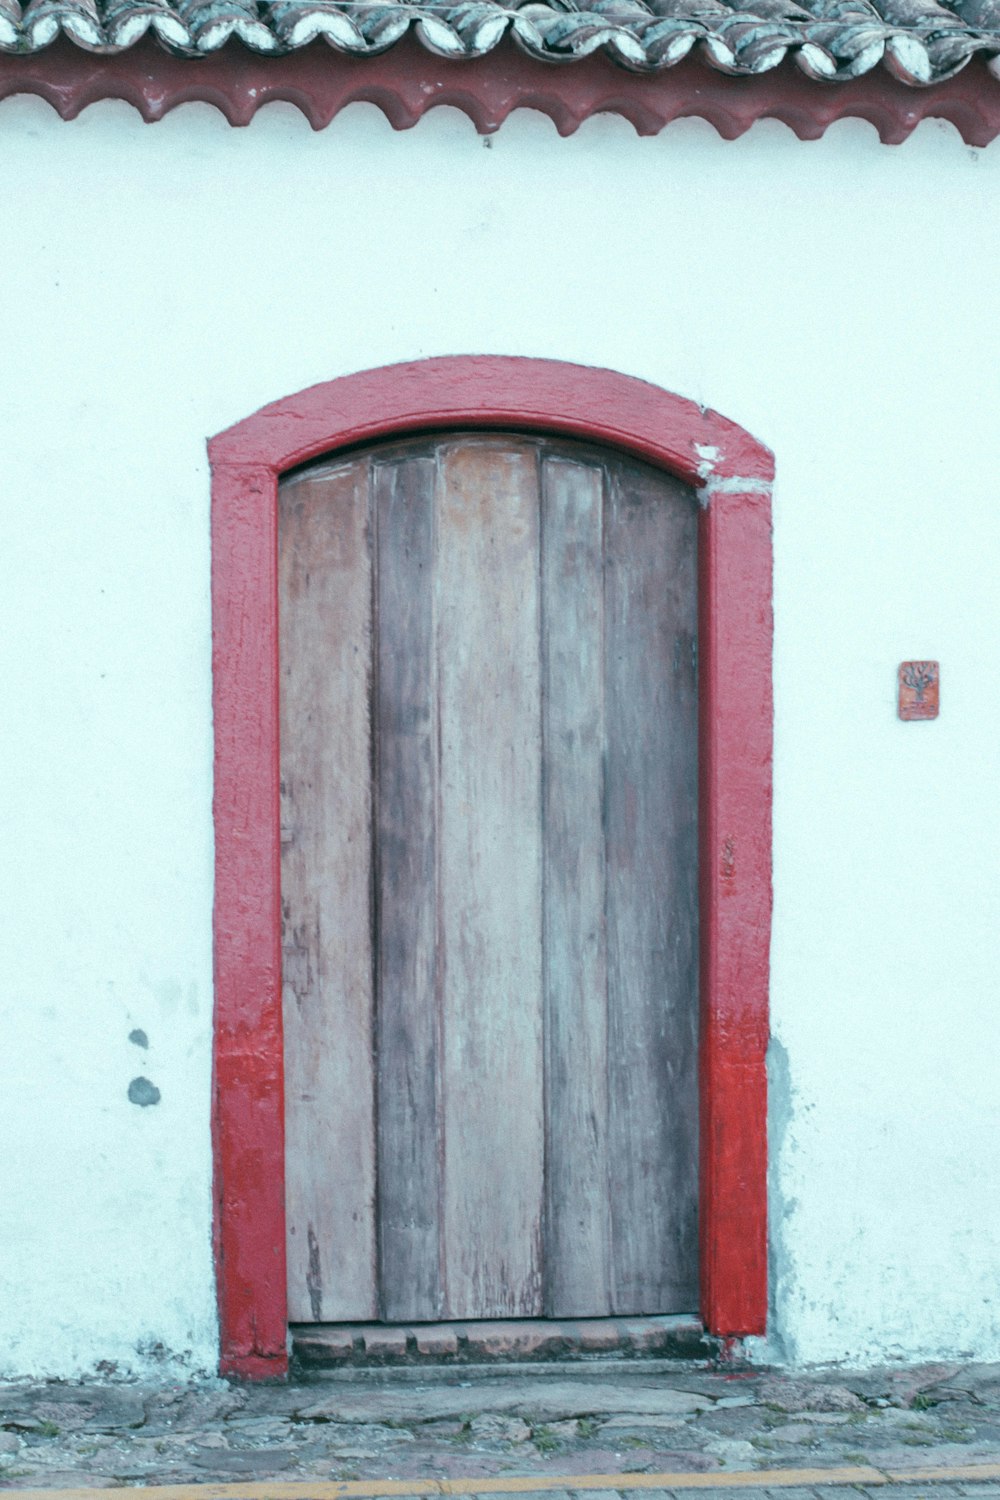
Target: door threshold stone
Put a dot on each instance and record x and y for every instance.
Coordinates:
(527, 1343)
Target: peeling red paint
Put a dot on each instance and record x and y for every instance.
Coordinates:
(735, 749)
(735, 752)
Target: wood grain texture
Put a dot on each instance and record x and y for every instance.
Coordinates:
(577, 1186)
(490, 853)
(652, 908)
(409, 1140)
(493, 803)
(325, 587)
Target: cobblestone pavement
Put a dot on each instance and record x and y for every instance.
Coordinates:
(559, 1422)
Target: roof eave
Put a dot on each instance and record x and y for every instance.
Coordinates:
(407, 80)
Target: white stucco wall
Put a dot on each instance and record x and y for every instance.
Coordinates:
(840, 299)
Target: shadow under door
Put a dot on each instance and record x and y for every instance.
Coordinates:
(489, 882)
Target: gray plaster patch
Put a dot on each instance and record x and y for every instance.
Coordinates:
(143, 1093)
(779, 1119)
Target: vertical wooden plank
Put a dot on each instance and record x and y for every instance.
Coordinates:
(406, 759)
(576, 1220)
(651, 831)
(325, 592)
(490, 877)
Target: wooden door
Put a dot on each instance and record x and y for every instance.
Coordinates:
(489, 882)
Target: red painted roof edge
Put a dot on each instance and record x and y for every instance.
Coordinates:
(407, 81)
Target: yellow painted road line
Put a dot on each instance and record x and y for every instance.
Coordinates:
(332, 1489)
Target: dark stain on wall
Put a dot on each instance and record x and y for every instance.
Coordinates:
(143, 1093)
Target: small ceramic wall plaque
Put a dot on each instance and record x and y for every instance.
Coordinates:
(919, 689)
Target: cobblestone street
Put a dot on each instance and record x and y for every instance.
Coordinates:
(548, 1424)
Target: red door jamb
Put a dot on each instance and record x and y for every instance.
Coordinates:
(732, 473)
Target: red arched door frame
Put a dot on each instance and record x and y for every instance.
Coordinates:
(732, 474)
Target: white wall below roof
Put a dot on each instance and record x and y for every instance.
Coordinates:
(839, 299)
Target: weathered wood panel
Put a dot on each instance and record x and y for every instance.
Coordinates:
(651, 831)
(490, 877)
(325, 582)
(406, 761)
(490, 818)
(577, 1187)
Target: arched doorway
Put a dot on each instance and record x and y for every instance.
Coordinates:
(731, 474)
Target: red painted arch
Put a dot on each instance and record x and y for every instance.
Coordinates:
(733, 473)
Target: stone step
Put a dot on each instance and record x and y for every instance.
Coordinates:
(318, 1346)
